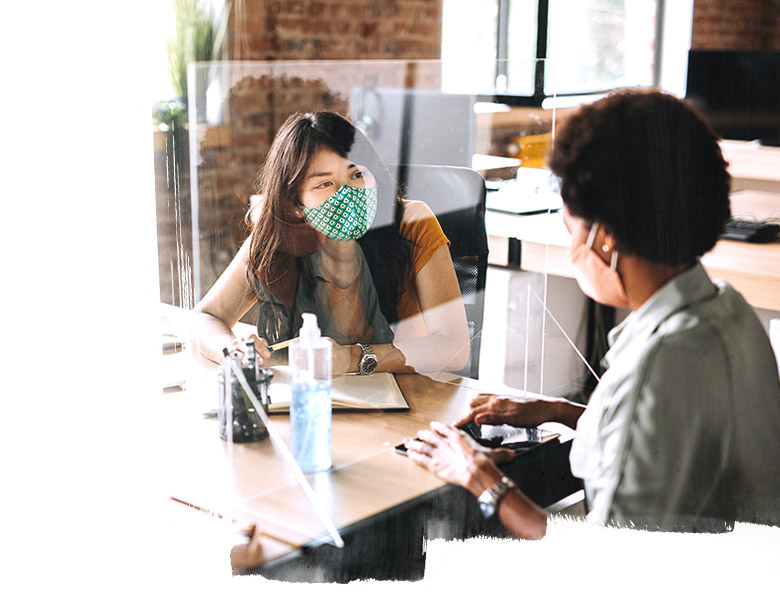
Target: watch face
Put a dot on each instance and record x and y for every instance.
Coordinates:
(487, 508)
(368, 363)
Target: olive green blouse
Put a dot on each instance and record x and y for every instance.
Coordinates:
(683, 430)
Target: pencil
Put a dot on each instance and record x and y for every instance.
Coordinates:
(282, 345)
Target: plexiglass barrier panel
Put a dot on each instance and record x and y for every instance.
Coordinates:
(431, 139)
(334, 215)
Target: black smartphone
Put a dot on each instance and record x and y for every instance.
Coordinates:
(475, 432)
(470, 428)
(498, 440)
(401, 449)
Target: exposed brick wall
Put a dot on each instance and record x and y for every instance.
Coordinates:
(334, 29)
(231, 154)
(736, 25)
(357, 29)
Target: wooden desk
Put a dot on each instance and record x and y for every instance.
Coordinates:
(752, 167)
(250, 483)
(753, 269)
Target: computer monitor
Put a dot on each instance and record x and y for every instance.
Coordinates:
(738, 91)
(412, 126)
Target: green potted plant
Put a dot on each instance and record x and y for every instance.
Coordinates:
(193, 41)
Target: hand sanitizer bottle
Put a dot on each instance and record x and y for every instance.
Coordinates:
(310, 409)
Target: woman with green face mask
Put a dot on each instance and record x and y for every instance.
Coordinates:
(332, 237)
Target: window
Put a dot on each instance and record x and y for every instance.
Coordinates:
(469, 41)
(597, 45)
(522, 20)
(491, 46)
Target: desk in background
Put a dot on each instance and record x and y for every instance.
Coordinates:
(541, 244)
(752, 166)
(382, 503)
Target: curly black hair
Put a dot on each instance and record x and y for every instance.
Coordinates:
(647, 166)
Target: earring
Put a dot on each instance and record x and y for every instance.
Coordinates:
(605, 248)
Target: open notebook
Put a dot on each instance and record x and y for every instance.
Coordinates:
(378, 391)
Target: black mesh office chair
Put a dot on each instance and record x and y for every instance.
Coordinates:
(456, 195)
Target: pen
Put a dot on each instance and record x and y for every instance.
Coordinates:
(282, 345)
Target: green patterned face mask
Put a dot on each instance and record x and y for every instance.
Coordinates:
(346, 215)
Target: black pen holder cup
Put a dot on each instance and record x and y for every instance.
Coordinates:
(247, 424)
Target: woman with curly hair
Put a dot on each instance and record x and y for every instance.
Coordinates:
(681, 431)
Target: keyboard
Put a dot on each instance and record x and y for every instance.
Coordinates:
(750, 231)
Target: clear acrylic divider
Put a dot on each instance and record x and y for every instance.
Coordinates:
(527, 320)
(281, 447)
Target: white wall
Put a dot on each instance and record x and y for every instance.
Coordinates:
(675, 27)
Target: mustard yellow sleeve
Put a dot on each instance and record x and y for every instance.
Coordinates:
(420, 225)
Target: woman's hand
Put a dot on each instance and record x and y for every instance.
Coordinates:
(342, 359)
(261, 346)
(448, 453)
(453, 456)
(493, 409)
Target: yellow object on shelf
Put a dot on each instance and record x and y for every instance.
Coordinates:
(530, 149)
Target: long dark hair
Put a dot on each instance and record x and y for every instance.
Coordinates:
(387, 253)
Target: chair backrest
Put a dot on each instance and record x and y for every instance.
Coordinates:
(456, 195)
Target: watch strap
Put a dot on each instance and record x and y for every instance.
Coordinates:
(490, 499)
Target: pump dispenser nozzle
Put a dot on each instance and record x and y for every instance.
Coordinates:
(310, 332)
